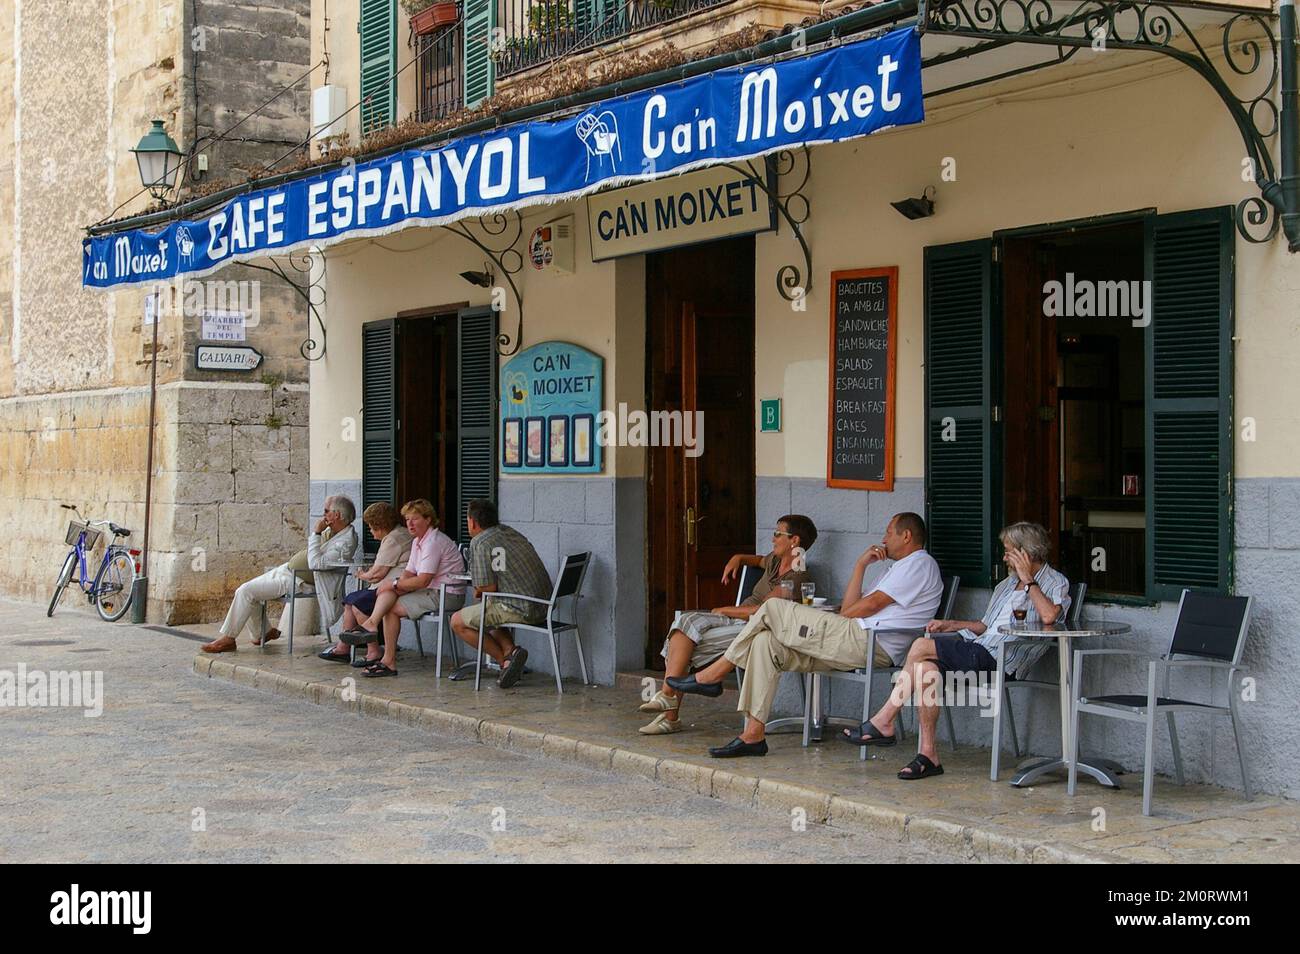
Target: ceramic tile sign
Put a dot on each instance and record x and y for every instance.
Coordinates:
(223, 326)
(550, 399)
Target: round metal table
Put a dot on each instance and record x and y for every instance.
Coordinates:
(1065, 634)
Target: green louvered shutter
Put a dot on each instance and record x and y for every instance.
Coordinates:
(378, 417)
(1189, 263)
(598, 19)
(378, 29)
(480, 68)
(963, 442)
(476, 411)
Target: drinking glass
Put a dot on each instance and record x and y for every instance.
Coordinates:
(1020, 608)
(808, 591)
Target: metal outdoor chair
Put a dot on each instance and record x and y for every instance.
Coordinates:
(568, 586)
(301, 591)
(1210, 633)
(442, 618)
(866, 674)
(749, 577)
(1002, 684)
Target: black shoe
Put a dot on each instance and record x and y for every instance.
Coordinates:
(688, 684)
(738, 747)
(513, 670)
(359, 636)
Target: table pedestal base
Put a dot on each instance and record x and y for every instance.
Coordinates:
(1103, 770)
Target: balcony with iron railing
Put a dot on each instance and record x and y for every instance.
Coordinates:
(533, 32)
(439, 72)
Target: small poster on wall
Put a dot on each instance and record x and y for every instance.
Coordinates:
(551, 395)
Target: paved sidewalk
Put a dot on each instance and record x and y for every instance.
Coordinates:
(274, 779)
(961, 811)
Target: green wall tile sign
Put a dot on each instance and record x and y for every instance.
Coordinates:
(771, 414)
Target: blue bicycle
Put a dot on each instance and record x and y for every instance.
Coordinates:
(110, 590)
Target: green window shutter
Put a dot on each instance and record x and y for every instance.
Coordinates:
(378, 29)
(480, 69)
(378, 417)
(598, 19)
(962, 484)
(1190, 267)
(476, 411)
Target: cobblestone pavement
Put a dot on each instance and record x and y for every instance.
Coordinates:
(273, 778)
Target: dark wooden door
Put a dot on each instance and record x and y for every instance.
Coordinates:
(427, 411)
(1032, 435)
(700, 358)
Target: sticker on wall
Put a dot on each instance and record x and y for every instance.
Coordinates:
(551, 395)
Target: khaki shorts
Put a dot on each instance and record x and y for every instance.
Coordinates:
(425, 601)
(498, 615)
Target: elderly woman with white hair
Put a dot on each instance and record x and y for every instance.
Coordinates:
(332, 541)
(971, 645)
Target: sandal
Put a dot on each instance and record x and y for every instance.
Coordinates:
(329, 655)
(361, 662)
(867, 734)
(919, 767)
(378, 669)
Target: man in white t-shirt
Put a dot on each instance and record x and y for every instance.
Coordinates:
(795, 638)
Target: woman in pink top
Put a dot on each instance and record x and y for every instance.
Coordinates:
(435, 559)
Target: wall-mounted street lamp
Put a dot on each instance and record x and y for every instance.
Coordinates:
(921, 207)
(159, 159)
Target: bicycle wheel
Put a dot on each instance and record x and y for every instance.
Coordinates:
(113, 585)
(65, 574)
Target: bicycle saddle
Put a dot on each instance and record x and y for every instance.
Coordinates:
(118, 531)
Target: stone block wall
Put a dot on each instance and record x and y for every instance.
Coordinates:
(229, 493)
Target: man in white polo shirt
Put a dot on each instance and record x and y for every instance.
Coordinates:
(793, 638)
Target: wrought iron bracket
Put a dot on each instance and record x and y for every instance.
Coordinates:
(791, 204)
(1156, 28)
(304, 272)
(508, 259)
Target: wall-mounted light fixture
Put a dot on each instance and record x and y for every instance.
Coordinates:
(921, 207)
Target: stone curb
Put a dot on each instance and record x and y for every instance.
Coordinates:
(819, 806)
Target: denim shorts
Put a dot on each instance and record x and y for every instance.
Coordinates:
(956, 654)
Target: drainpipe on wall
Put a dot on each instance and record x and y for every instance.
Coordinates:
(1290, 129)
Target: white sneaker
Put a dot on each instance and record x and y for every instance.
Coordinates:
(661, 725)
(661, 702)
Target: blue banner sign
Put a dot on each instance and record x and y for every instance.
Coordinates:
(550, 402)
(841, 93)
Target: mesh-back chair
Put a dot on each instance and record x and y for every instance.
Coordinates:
(300, 591)
(441, 624)
(866, 674)
(749, 577)
(568, 586)
(1209, 633)
(1006, 683)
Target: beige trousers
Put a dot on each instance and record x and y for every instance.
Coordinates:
(784, 636)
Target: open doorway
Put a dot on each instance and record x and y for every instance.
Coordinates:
(699, 358)
(412, 409)
(1074, 385)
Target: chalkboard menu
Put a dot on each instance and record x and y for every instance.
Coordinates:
(864, 322)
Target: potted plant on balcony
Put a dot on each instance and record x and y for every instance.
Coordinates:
(428, 15)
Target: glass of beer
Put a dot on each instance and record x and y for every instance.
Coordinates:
(807, 591)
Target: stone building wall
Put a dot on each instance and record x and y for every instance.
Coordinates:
(79, 83)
